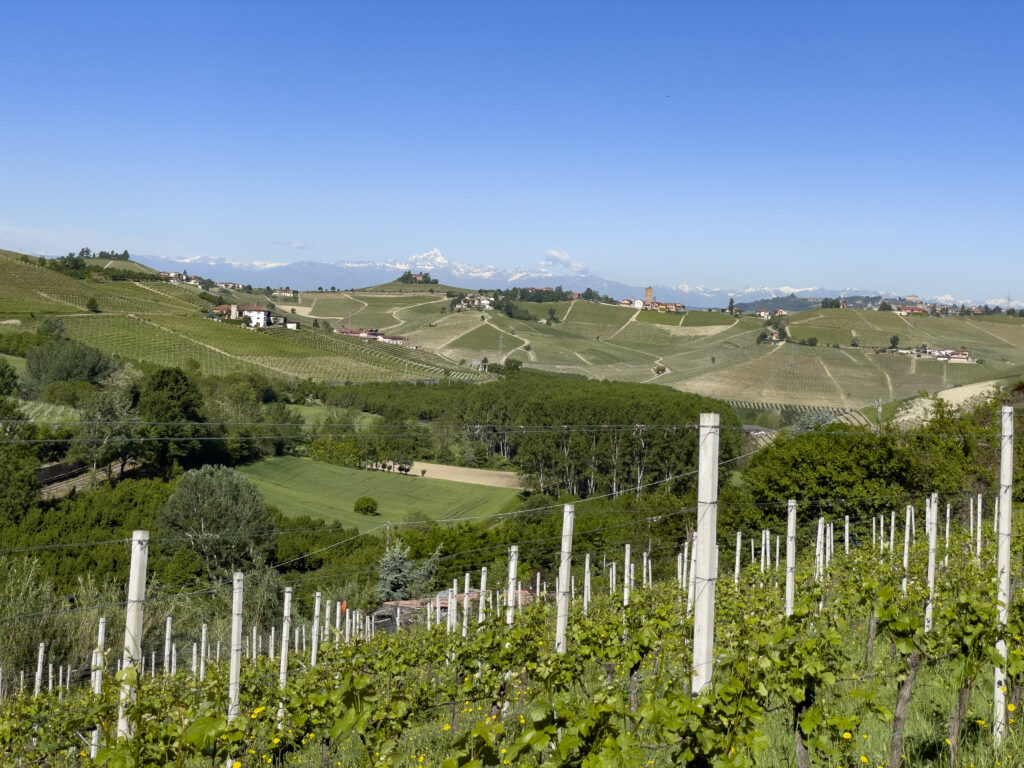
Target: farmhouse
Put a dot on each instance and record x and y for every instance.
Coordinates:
(762, 313)
(911, 310)
(372, 334)
(283, 293)
(780, 313)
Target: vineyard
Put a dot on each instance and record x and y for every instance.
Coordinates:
(844, 640)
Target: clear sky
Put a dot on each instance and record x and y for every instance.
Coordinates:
(871, 145)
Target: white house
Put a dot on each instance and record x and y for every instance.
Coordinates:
(259, 317)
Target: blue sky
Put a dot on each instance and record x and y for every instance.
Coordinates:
(875, 145)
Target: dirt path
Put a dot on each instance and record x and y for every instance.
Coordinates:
(842, 395)
(399, 321)
(571, 305)
(489, 477)
(631, 319)
(581, 357)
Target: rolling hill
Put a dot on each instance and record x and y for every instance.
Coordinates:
(704, 352)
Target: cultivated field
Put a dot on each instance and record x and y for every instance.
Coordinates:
(305, 487)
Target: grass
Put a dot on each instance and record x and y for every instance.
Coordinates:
(17, 363)
(303, 486)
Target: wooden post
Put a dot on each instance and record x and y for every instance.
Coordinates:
(133, 627)
(286, 630)
(707, 534)
(564, 575)
(1005, 507)
(513, 571)
(235, 668)
(790, 555)
(483, 591)
(736, 567)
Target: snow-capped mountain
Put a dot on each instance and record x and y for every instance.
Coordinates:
(555, 269)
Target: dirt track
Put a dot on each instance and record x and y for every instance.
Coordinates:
(467, 475)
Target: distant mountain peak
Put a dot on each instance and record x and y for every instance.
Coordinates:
(556, 268)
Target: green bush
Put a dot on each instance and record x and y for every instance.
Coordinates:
(365, 505)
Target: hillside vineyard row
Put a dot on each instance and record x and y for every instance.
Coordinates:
(842, 656)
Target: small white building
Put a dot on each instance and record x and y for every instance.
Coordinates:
(259, 317)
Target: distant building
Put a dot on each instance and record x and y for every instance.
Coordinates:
(649, 297)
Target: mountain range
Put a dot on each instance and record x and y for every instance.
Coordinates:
(309, 275)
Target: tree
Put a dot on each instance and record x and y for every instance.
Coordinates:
(399, 578)
(885, 306)
(221, 516)
(92, 305)
(732, 305)
(365, 505)
(8, 378)
(894, 341)
(108, 431)
(18, 463)
(171, 409)
(63, 359)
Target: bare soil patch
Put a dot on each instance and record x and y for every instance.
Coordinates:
(490, 477)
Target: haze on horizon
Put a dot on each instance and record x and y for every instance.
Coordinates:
(861, 145)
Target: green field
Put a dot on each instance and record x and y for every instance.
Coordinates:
(305, 487)
(17, 363)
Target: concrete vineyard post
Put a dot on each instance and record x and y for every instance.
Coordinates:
(483, 591)
(874, 523)
(465, 607)
(892, 531)
(945, 559)
(930, 528)
(286, 629)
(707, 534)
(611, 578)
(316, 630)
(235, 668)
(39, 669)
(97, 682)
(736, 567)
(564, 572)
(906, 546)
(202, 653)
(846, 534)
(977, 529)
(133, 626)
(167, 646)
(1005, 507)
(819, 552)
(586, 583)
(270, 643)
(627, 578)
(790, 555)
(691, 587)
(513, 569)
(337, 621)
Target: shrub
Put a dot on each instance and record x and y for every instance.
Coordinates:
(365, 505)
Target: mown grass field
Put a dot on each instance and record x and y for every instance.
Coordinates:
(300, 486)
